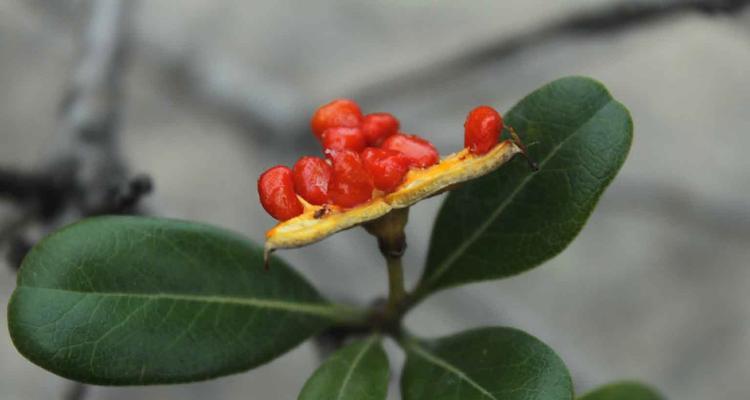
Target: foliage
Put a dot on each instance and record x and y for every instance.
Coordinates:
(623, 391)
(131, 301)
(357, 371)
(514, 219)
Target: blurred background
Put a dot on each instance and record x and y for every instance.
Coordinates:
(204, 95)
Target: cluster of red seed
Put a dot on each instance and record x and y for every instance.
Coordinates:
(365, 155)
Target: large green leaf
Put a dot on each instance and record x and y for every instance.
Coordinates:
(484, 364)
(514, 219)
(129, 300)
(623, 391)
(358, 371)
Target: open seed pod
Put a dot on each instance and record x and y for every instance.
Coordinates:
(318, 222)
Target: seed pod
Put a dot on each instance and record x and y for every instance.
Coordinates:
(418, 184)
(365, 186)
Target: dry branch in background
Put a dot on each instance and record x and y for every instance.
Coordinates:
(244, 98)
(257, 102)
(85, 174)
(607, 19)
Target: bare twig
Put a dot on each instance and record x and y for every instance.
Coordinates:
(86, 174)
(76, 391)
(253, 99)
(87, 136)
(244, 98)
(40, 193)
(723, 218)
(607, 19)
(19, 185)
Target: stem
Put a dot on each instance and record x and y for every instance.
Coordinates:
(389, 229)
(349, 316)
(396, 291)
(76, 391)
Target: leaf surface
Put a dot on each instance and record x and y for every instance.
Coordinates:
(484, 364)
(358, 371)
(131, 300)
(514, 219)
(623, 391)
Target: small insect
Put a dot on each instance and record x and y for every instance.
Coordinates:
(322, 212)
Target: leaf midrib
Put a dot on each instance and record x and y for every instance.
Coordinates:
(354, 365)
(450, 368)
(331, 311)
(443, 266)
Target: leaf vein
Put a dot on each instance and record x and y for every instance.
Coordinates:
(450, 368)
(320, 309)
(355, 362)
(443, 266)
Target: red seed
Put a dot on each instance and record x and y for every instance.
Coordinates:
(341, 112)
(420, 152)
(387, 167)
(378, 126)
(482, 129)
(311, 178)
(276, 191)
(342, 138)
(350, 184)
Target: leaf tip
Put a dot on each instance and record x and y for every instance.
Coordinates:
(267, 250)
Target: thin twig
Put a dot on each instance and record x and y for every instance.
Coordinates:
(18, 185)
(607, 19)
(85, 168)
(76, 391)
(87, 147)
(252, 99)
(244, 101)
(87, 135)
(16, 222)
(85, 174)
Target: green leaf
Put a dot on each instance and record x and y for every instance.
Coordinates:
(623, 391)
(514, 219)
(358, 371)
(129, 300)
(486, 364)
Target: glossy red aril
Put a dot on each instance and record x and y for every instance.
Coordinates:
(311, 178)
(420, 152)
(341, 112)
(277, 196)
(343, 138)
(378, 126)
(350, 184)
(482, 129)
(387, 167)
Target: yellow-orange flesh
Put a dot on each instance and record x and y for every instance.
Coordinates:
(318, 222)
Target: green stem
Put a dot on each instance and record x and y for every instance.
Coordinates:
(351, 316)
(396, 291)
(389, 230)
